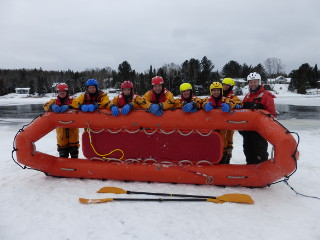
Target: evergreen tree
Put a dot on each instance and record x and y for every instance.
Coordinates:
(206, 76)
(22, 82)
(151, 72)
(245, 70)
(206, 70)
(293, 82)
(261, 70)
(116, 79)
(185, 71)
(176, 82)
(31, 86)
(315, 77)
(141, 81)
(2, 89)
(301, 77)
(194, 71)
(232, 69)
(77, 87)
(125, 72)
(161, 73)
(41, 88)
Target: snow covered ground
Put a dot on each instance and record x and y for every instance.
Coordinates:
(34, 206)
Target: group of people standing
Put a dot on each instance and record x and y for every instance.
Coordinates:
(159, 99)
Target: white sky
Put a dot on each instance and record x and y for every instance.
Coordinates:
(81, 34)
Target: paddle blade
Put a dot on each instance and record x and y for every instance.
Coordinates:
(236, 197)
(112, 190)
(88, 201)
(214, 200)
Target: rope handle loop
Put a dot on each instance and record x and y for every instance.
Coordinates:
(102, 155)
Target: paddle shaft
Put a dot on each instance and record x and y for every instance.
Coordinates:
(162, 199)
(170, 194)
(232, 197)
(104, 200)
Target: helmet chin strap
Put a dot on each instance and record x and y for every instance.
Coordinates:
(255, 90)
(92, 94)
(226, 92)
(127, 98)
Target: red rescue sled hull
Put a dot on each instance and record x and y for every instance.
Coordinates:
(260, 175)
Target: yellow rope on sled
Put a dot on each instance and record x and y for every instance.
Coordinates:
(103, 155)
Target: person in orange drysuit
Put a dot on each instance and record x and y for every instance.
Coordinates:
(158, 98)
(227, 135)
(92, 99)
(225, 104)
(126, 100)
(187, 101)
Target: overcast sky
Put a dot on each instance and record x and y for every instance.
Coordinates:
(79, 34)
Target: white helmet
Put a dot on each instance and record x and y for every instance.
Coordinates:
(254, 76)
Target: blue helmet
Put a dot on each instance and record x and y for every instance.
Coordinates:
(92, 82)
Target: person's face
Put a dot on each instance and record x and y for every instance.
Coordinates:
(215, 92)
(157, 88)
(126, 91)
(225, 86)
(186, 94)
(253, 84)
(62, 93)
(92, 89)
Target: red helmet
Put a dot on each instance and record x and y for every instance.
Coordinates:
(62, 86)
(157, 80)
(127, 84)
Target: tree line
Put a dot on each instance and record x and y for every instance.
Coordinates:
(200, 73)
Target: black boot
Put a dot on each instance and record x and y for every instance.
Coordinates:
(74, 152)
(63, 152)
(227, 154)
(223, 159)
(228, 157)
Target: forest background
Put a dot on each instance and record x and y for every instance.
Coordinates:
(200, 73)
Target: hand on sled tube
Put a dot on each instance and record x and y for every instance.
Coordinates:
(154, 108)
(225, 107)
(188, 107)
(84, 108)
(92, 107)
(55, 108)
(64, 108)
(208, 107)
(115, 111)
(126, 109)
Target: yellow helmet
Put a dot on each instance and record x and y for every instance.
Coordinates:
(185, 86)
(228, 81)
(215, 85)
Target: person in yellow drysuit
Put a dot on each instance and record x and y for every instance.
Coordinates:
(67, 138)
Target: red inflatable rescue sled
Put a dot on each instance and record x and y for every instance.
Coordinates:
(282, 162)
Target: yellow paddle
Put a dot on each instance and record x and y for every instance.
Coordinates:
(231, 197)
(103, 200)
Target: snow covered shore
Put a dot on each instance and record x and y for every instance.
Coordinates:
(283, 96)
